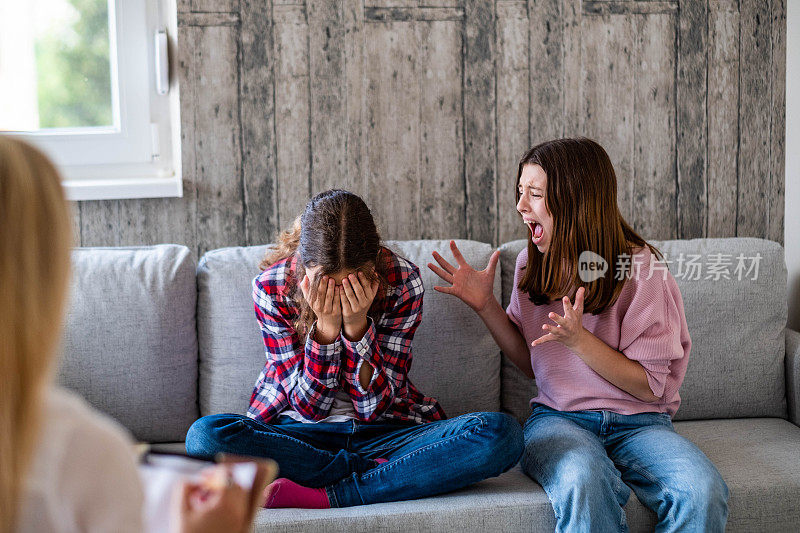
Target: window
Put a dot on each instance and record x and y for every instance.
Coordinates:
(80, 79)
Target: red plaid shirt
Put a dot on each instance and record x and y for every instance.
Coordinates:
(304, 375)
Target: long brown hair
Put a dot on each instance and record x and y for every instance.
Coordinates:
(35, 240)
(335, 232)
(581, 195)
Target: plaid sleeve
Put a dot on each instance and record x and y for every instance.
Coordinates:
(313, 395)
(296, 375)
(386, 347)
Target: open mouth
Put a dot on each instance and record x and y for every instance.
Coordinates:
(537, 231)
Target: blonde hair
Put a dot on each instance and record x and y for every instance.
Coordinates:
(35, 242)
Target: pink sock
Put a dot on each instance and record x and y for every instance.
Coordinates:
(381, 460)
(286, 493)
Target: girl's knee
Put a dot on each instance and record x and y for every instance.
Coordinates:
(570, 474)
(203, 438)
(506, 433)
(705, 489)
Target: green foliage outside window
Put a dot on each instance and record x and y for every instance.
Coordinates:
(74, 79)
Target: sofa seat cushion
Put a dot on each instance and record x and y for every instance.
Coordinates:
(757, 458)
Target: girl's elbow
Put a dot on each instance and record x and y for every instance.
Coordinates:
(309, 413)
(648, 396)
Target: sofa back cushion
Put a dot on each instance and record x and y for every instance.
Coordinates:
(455, 359)
(736, 321)
(517, 389)
(130, 344)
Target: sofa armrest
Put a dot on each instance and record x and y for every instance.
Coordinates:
(793, 375)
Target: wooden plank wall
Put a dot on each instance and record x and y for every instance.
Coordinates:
(424, 108)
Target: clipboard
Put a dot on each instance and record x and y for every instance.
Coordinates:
(162, 471)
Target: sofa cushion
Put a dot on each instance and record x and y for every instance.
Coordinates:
(756, 457)
(130, 345)
(736, 365)
(517, 389)
(229, 341)
(455, 358)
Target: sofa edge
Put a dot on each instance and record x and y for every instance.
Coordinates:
(792, 363)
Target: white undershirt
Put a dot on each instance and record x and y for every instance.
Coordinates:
(342, 410)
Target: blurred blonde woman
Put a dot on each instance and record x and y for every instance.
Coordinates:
(79, 472)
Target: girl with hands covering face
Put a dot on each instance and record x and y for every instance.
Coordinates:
(333, 404)
(342, 308)
(609, 351)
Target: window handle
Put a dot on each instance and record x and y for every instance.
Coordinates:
(162, 63)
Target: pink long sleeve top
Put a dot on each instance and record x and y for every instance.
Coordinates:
(646, 323)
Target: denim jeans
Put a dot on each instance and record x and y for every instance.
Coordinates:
(588, 462)
(423, 459)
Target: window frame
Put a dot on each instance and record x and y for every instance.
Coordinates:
(139, 156)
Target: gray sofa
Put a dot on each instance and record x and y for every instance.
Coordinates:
(156, 340)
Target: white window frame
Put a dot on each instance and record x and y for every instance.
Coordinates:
(139, 156)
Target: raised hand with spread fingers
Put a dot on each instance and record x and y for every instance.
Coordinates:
(568, 329)
(475, 288)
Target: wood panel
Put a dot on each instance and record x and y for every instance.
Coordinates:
(572, 16)
(208, 19)
(424, 108)
(355, 94)
(257, 122)
(215, 6)
(777, 128)
(100, 223)
(654, 194)
(441, 192)
(608, 96)
(148, 221)
(754, 119)
(544, 55)
(75, 222)
(517, 90)
(328, 113)
(480, 141)
(393, 128)
(220, 200)
(292, 121)
(692, 104)
(723, 118)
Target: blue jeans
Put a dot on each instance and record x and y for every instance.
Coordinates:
(423, 459)
(588, 462)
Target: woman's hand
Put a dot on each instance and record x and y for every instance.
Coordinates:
(217, 503)
(569, 329)
(199, 508)
(473, 287)
(356, 298)
(326, 304)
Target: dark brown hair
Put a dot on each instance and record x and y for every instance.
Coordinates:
(581, 196)
(335, 232)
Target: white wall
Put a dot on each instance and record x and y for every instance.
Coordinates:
(792, 218)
